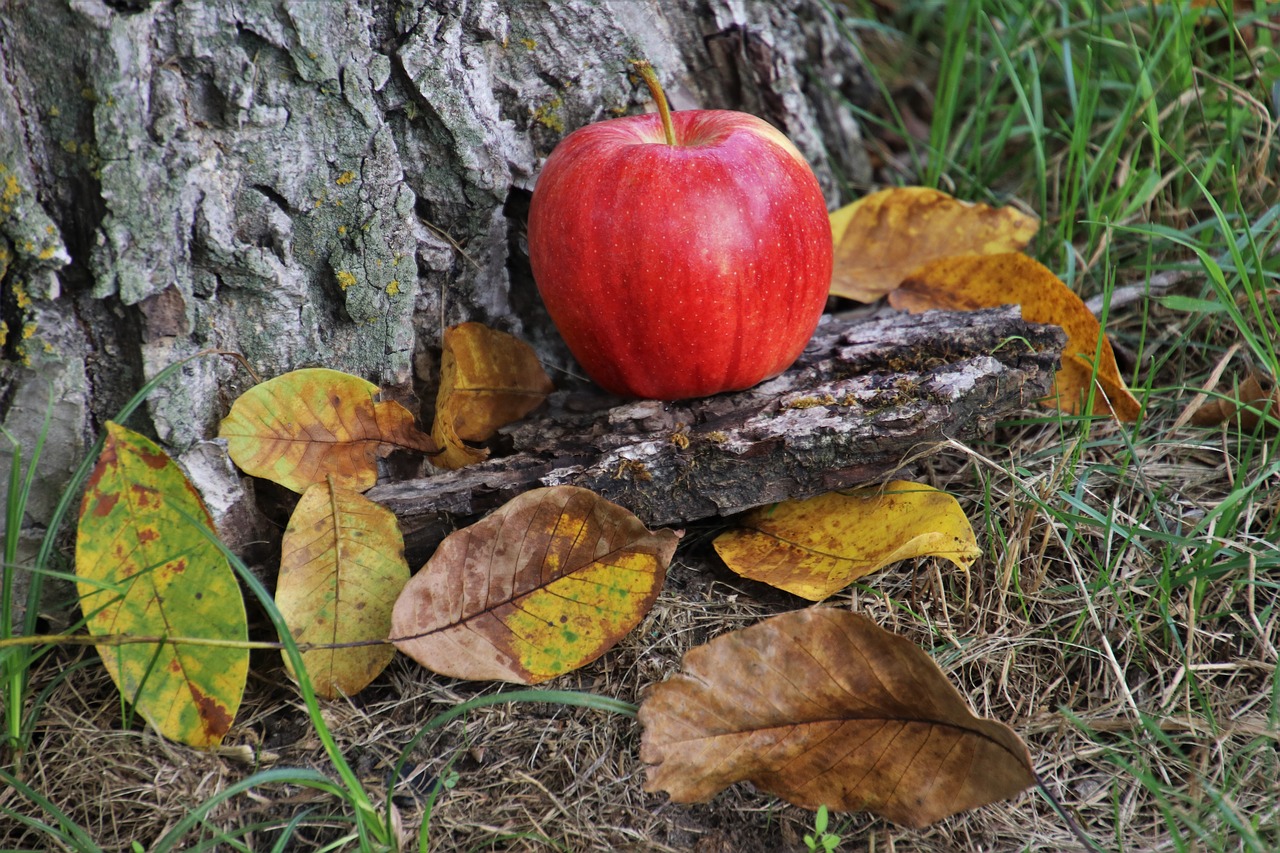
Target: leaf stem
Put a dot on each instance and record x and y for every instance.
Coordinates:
(650, 77)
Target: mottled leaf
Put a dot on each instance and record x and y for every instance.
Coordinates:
(307, 425)
(813, 548)
(488, 379)
(145, 569)
(886, 236)
(821, 706)
(540, 587)
(341, 569)
(968, 283)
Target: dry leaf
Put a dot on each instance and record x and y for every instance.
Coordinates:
(821, 706)
(488, 379)
(813, 548)
(969, 283)
(341, 568)
(1247, 401)
(883, 238)
(305, 426)
(542, 586)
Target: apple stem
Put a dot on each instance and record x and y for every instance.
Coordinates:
(650, 78)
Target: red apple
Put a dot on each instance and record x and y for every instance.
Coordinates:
(685, 264)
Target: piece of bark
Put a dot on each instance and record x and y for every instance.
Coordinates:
(866, 396)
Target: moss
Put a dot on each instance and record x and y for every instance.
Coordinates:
(548, 115)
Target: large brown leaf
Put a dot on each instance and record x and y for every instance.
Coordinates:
(542, 586)
(821, 706)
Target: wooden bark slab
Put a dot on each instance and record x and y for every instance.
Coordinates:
(866, 396)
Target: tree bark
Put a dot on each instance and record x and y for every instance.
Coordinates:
(324, 184)
(866, 397)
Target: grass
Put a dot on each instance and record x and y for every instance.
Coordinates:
(1125, 619)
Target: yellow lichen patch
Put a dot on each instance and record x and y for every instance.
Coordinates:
(345, 178)
(548, 116)
(393, 289)
(529, 44)
(345, 279)
(4, 333)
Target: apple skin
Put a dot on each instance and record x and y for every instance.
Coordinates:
(684, 270)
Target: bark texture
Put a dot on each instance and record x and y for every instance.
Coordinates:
(324, 183)
(865, 398)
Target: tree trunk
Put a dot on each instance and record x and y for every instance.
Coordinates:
(324, 184)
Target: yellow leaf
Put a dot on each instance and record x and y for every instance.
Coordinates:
(145, 569)
(308, 425)
(341, 569)
(813, 548)
(969, 283)
(883, 238)
(488, 379)
(544, 585)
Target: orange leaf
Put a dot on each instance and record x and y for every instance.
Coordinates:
(341, 567)
(488, 379)
(821, 706)
(544, 585)
(307, 425)
(883, 238)
(972, 282)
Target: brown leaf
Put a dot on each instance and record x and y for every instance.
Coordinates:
(308, 425)
(821, 706)
(540, 587)
(1246, 401)
(488, 379)
(883, 238)
(972, 282)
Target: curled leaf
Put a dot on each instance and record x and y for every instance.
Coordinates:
(307, 425)
(968, 283)
(488, 379)
(821, 706)
(1246, 402)
(542, 586)
(145, 568)
(813, 548)
(883, 238)
(341, 568)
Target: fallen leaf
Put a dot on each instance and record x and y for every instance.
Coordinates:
(1246, 402)
(307, 425)
(883, 238)
(488, 379)
(145, 569)
(821, 706)
(542, 586)
(969, 283)
(813, 548)
(341, 569)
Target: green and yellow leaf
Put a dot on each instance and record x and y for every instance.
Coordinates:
(813, 548)
(145, 568)
(341, 569)
(542, 586)
(305, 426)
